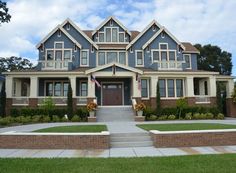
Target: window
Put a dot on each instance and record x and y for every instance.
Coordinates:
(114, 34)
(122, 58)
(49, 54)
(163, 46)
(187, 61)
(65, 88)
(84, 58)
(56, 88)
(205, 87)
(155, 56)
(108, 34)
(49, 89)
(67, 55)
(14, 88)
(101, 58)
(144, 88)
(172, 56)
(111, 57)
(163, 55)
(83, 89)
(24, 87)
(121, 37)
(139, 58)
(179, 87)
(58, 55)
(171, 88)
(162, 87)
(101, 36)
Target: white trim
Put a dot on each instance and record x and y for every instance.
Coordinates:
(59, 27)
(190, 61)
(136, 58)
(113, 82)
(111, 18)
(110, 65)
(84, 50)
(141, 33)
(80, 31)
(192, 131)
(68, 26)
(53, 81)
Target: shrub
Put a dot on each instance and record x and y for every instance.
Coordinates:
(148, 112)
(171, 117)
(55, 118)
(82, 113)
(64, 119)
(188, 116)
(75, 118)
(46, 119)
(196, 116)
(48, 105)
(181, 104)
(6, 121)
(152, 118)
(202, 116)
(169, 111)
(220, 116)
(14, 112)
(162, 117)
(36, 118)
(209, 115)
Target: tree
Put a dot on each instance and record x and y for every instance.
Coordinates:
(3, 100)
(69, 102)
(181, 103)
(158, 100)
(14, 63)
(4, 15)
(48, 105)
(212, 58)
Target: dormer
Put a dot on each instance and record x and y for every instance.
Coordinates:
(111, 31)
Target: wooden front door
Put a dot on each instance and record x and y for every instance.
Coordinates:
(112, 94)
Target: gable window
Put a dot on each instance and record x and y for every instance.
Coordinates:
(155, 56)
(49, 55)
(114, 34)
(139, 58)
(144, 88)
(67, 54)
(101, 58)
(108, 34)
(172, 56)
(163, 46)
(187, 59)
(84, 58)
(121, 37)
(164, 55)
(101, 36)
(83, 88)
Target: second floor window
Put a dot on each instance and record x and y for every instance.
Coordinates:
(187, 59)
(111, 34)
(111, 56)
(139, 58)
(84, 58)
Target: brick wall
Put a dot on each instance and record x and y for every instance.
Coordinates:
(230, 107)
(194, 139)
(54, 141)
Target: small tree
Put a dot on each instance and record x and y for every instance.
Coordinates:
(158, 100)
(181, 104)
(219, 99)
(48, 105)
(69, 102)
(3, 101)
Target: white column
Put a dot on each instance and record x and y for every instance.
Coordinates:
(91, 88)
(154, 80)
(136, 91)
(229, 88)
(212, 86)
(9, 84)
(189, 86)
(73, 85)
(33, 87)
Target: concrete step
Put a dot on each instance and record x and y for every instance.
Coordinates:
(130, 139)
(130, 134)
(131, 144)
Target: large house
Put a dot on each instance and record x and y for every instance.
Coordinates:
(114, 65)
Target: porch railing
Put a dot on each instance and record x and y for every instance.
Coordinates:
(202, 99)
(163, 65)
(20, 101)
(56, 100)
(81, 100)
(54, 65)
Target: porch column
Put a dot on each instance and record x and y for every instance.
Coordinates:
(73, 85)
(9, 82)
(212, 86)
(91, 88)
(136, 91)
(33, 87)
(229, 88)
(189, 86)
(154, 80)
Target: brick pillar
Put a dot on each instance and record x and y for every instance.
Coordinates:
(8, 106)
(230, 108)
(33, 102)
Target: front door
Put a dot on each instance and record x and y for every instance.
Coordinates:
(112, 94)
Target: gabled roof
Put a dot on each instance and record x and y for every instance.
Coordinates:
(189, 48)
(112, 64)
(109, 18)
(158, 33)
(80, 31)
(141, 33)
(59, 27)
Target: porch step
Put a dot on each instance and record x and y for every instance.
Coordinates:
(122, 140)
(115, 114)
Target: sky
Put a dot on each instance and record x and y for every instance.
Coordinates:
(196, 21)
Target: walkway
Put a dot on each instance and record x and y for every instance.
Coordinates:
(115, 152)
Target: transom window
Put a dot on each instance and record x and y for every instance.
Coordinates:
(171, 87)
(58, 53)
(139, 58)
(56, 88)
(84, 58)
(111, 34)
(111, 56)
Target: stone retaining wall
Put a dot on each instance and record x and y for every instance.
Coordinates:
(163, 139)
(55, 140)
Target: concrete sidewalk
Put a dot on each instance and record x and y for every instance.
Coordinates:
(115, 152)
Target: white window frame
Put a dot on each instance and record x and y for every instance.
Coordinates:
(53, 87)
(136, 58)
(84, 50)
(118, 57)
(118, 33)
(80, 89)
(148, 88)
(119, 36)
(190, 62)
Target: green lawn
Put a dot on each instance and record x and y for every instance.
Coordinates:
(224, 163)
(74, 129)
(186, 126)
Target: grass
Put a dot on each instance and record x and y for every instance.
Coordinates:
(186, 126)
(74, 129)
(224, 163)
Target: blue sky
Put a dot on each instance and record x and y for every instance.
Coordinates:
(196, 21)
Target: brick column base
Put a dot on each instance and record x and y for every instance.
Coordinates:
(92, 119)
(139, 118)
(230, 108)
